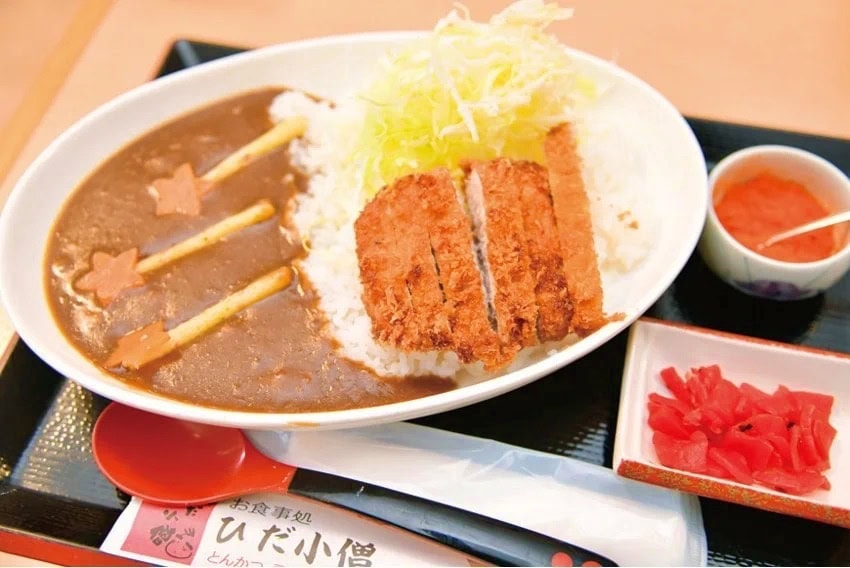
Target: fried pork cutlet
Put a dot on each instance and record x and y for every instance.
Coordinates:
(575, 231)
(385, 292)
(498, 222)
(402, 291)
(554, 307)
(430, 315)
(450, 236)
(515, 267)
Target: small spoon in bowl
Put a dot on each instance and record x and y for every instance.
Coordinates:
(828, 221)
(169, 461)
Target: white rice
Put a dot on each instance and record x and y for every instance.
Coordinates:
(615, 181)
(325, 218)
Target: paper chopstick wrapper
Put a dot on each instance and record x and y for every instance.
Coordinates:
(632, 523)
(268, 530)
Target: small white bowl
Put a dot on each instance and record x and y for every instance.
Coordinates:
(759, 275)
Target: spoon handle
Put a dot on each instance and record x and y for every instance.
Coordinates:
(813, 226)
(485, 538)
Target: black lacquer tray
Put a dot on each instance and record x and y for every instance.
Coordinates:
(51, 489)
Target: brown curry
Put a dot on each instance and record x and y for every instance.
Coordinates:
(271, 356)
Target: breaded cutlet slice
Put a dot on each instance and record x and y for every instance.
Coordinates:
(450, 235)
(385, 294)
(554, 307)
(430, 315)
(500, 235)
(575, 229)
(401, 289)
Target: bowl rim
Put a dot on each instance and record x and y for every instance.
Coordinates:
(720, 167)
(114, 389)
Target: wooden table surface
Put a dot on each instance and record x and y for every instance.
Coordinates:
(776, 63)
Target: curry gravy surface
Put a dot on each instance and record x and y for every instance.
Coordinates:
(272, 356)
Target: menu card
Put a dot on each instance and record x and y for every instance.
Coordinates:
(269, 530)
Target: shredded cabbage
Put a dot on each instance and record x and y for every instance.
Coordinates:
(468, 90)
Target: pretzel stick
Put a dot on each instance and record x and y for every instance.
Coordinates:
(278, 135)
(257, 213)
(152, 342)
(257, 290)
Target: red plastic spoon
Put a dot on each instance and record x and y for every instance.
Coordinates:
(174, 462)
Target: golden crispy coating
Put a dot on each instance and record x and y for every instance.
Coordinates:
(572, 213)
(385, 292)
(513, 266)
(509, 263)
(429, 317)
(554, 308)
(451, 240)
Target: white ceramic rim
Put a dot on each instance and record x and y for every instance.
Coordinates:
(152, 402)
(764, 149)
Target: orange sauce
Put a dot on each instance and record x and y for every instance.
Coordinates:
(765, 205)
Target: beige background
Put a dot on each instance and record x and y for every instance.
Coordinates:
(781, 63)
(778, 63)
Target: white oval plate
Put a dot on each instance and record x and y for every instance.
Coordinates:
(663, 152)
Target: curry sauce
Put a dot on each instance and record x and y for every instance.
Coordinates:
(273, 356)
